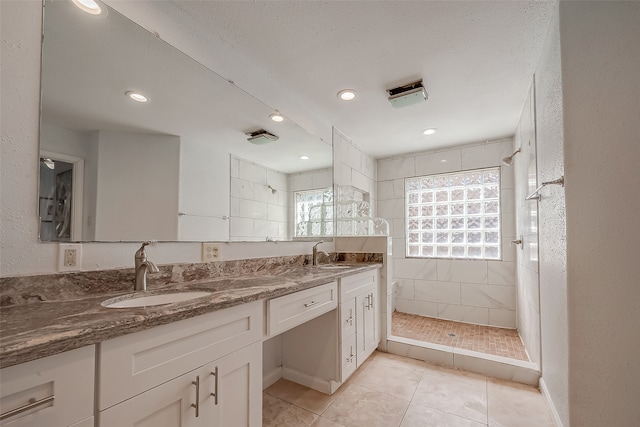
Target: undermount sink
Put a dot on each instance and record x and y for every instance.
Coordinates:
(138, 300)
(332, 266)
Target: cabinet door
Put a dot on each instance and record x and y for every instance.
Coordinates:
(239, 388)
(365, 325)
(168, 405)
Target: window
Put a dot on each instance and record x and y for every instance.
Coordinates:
(454, 215)
(314, 213)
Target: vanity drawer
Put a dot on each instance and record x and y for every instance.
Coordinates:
(291, 310)
(347, 318)
(350, 286)
(55, 391)
(134, 363)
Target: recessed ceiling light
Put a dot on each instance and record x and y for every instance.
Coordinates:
(347, 94)
(137, 96)
(303, 157)
(430, 131)
(277, 117)
(89, 6)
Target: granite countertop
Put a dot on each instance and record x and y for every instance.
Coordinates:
(36, 330)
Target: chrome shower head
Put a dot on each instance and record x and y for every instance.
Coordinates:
(509, 160)
(273, 190)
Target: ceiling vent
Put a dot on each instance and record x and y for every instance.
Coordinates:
(261, 136)
(409, 94)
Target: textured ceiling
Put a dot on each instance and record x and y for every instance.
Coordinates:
(476, 58)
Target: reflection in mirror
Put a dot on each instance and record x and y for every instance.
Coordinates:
(178, 167)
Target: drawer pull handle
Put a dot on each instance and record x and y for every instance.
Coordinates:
(215, 387)
(312, 303)
(197, 404)
(33, 403)
(349, 320)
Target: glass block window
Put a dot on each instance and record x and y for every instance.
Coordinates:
(314, 213)
(454, 215)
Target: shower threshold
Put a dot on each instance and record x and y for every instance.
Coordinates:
(491, 351)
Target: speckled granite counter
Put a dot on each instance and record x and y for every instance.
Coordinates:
(39, 329)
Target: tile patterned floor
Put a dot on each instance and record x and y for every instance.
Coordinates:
(395, 391)
(484, 339)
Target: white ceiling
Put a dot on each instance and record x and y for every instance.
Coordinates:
(477, 60)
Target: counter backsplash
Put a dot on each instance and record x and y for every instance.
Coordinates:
(67, 286)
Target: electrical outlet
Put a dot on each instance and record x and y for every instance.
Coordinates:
(210, 252)
(69, 256)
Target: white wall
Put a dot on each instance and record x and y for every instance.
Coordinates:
(302, 181)
(474, 291)
(257, 213)
(551, 229)
(20, 251)
(137, 194)
(600, 45)
(525, 173)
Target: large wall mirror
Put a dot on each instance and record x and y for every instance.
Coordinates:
(178, 167)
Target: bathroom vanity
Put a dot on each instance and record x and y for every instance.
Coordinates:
(190, 363)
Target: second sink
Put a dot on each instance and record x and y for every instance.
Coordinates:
(137, 300)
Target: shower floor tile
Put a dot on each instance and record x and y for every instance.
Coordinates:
(483, 339)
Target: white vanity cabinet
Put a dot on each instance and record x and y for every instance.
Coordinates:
(358, 297)
(202, 371)
(55, 391)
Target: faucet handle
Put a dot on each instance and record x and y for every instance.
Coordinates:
(141, 253)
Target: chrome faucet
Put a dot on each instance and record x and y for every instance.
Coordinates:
(142, 266)
(314, 256)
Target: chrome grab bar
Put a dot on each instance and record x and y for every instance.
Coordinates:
(33, 403)
(536, 196)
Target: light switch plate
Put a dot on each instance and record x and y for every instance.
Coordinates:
(69, 256)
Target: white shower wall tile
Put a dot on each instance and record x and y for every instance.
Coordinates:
(508, 225)
(485, 155)
(421, 308)
(506, 177)
(277, 180)
(434, 291)
(398, 189)
(368, 167)
(440, 162)
(398, 248)
(241, 189)
(263, 229)
(235, 166)
(406, 288)
(501, 273)
(252, 172)
(507, 201)
(300, 182)
(502, 318)
(509, 250)
(385, 190)
(390, 209)
(423, 269)
(396, 168)
(463, 313)
(453, 270)
(252, 209)
(276, 213)
(241, 227)
(489, 296)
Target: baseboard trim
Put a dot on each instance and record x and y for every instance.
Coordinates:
(547, 396)
(271, 377)
(315, 383)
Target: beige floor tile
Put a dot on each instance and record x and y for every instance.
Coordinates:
(359, 406)
(323, 422)
(453, 393)
(301, 396)
(455, 374)
(400, 361)
(423, 416)
(516, 405)
(391, 379)
(278, 413)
